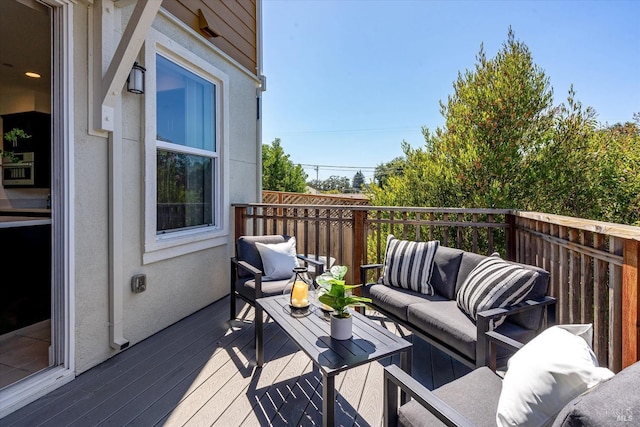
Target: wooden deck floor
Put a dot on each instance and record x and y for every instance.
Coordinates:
(201, 372)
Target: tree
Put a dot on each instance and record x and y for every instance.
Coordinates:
(335, 184)
(278, 171)
(504, 145)
(384, 171)
(499, 113)
(358, 181)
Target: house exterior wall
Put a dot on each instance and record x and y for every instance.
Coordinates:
(177, 286)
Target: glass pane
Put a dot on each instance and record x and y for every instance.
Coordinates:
(185, 106)
(185, 189)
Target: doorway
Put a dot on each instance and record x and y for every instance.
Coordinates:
(27, 310)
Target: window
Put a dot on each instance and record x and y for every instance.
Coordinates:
(187, 158)
(186, 137)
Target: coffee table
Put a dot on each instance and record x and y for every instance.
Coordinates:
(310, 332)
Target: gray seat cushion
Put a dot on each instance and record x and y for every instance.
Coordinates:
(482, 385)
(396, 300)
(444, 321)
(615, 402)
(247, 288)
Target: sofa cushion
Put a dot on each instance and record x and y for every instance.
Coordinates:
(445, 322)
(481, 412)
(446, 264)
(278, 259)
(494, 283)
(395, 301)
(408, 264)
(612, 403)
(546, 374)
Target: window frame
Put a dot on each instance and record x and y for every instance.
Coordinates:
(159, 246)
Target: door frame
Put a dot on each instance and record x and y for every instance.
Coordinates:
(62, 351)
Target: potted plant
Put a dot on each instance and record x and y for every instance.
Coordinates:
(337, 295)
(12, 137)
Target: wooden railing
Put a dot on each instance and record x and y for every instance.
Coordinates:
(593, 265)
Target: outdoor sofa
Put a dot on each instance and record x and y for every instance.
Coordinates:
(438, 317)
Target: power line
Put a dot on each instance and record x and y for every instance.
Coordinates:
(336, 167)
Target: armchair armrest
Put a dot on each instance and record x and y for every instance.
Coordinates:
(317, 264)
(364, 269)
(484, 320)
(395, 378)
(255, 272)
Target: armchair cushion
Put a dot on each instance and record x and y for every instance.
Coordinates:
(494, 283)
(409, 264)
(246, 250)
(546, 374)
(481, 412)
(278, 259)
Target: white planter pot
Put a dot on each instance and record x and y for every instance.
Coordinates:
(341, 327)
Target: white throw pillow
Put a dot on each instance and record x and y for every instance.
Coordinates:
(546, 374)
(278, 259)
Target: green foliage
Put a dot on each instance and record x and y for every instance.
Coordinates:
(337, 295)
(504, 145)
(278, 171)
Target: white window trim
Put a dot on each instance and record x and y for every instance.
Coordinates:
(170, 245)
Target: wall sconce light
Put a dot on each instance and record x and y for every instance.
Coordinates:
(135, 81)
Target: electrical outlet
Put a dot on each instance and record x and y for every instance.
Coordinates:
(139, 283)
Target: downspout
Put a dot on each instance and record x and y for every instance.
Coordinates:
(107, 114)
(117, 340)
(261, 88)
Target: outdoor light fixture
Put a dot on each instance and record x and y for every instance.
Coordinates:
(135, 82)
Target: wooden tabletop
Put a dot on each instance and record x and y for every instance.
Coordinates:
(310, 331)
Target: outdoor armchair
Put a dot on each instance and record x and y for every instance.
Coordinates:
(248, 279)
(549, 381)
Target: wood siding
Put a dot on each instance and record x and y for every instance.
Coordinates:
(235, 22)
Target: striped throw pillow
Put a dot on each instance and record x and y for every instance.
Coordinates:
(409, 264)
(494, 283)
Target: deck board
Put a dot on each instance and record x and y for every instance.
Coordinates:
(201, 372)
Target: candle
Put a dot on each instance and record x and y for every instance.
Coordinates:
(300, 294)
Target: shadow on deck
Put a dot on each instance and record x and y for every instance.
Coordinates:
(201, 371)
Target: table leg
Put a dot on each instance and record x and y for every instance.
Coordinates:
(328, 400)
(259, 324)
(405, 365)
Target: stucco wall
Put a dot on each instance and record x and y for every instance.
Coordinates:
(176, 287)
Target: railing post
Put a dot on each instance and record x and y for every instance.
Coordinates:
(359, 241)
(238, 219)
(616, 246)
(511, 237)
(630, 303)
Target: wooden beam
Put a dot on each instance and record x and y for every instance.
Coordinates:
(116, 75)
(630, 303)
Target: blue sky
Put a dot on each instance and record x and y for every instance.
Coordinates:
(349, 80)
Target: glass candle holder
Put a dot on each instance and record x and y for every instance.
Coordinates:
(301, 289)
